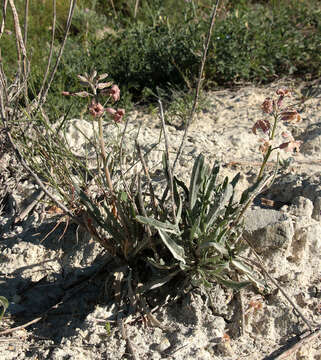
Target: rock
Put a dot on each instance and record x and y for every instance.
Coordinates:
(317, 209)
(302, 207)
(163, 345)
(311, 140)
(268, 230)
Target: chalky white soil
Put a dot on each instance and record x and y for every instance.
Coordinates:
(37, 273)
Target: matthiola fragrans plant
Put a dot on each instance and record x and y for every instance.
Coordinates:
(191, 229)
(275, 109)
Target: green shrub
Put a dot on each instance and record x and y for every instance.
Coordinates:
(253, 41)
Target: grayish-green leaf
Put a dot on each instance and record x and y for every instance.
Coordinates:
(220, 248)
(168, 227)
(236, 285)
(4, 303)
(176, 250)
(195, 181)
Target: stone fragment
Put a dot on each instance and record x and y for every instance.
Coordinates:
(302, 207)
(268, 230)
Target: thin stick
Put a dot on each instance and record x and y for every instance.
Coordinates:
(25, 30)
(113, 6)
(18, 28)
(296, 346)
(18, 35)
(141, 203)
(27, 210)
(39, 182)
(42, 96)
(53, 31)
(170, 174)
(122, 165)
(4, 14)
(104, 156)
(190, 119)
(262, 267)
(136, 8)
(151, 189)
(11, 330)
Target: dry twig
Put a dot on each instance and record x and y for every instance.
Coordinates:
(199, 82)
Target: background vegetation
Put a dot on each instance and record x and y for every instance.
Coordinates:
(160, 48)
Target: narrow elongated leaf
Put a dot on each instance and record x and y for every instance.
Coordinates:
(219, 205)
(219, 268)
(165, 167)
(102, 86)
(160, 266)
(83, 79)
(248, 272)
(178, 203)
(242, 267)
(107, 223)
(235, 179)
(102, 76)
(221, 249)
(255, 189)
(211, 184)
(195, 181)
(194, 230)
(4, 303)
(171, 228)
(81, 94)
(183, 186)
(236, 285)
(157, 283)
(176, 250)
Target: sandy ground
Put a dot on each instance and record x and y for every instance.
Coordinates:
(71, 275)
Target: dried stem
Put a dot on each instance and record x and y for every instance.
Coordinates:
(199, 82)
(4, 14)
(170, 174)
(43, 95)
(19, 40)
(136, 8)
(290, 351)
(104, 155)
(260, 264)
(53, 31)
(39, 182)
(143, 162)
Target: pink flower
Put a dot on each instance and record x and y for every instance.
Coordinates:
(96, 109)
(291, 144)
(110, 111)
(117, 114)
(263, 125)
(267, 105)
(283, 92)
(115, 92)
(291, 116)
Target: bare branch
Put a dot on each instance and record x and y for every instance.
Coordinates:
(4, 14)
(199, 82)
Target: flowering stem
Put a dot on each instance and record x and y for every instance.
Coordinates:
(104, 155)
(274, 126)
(270, 149)
(266, 158)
